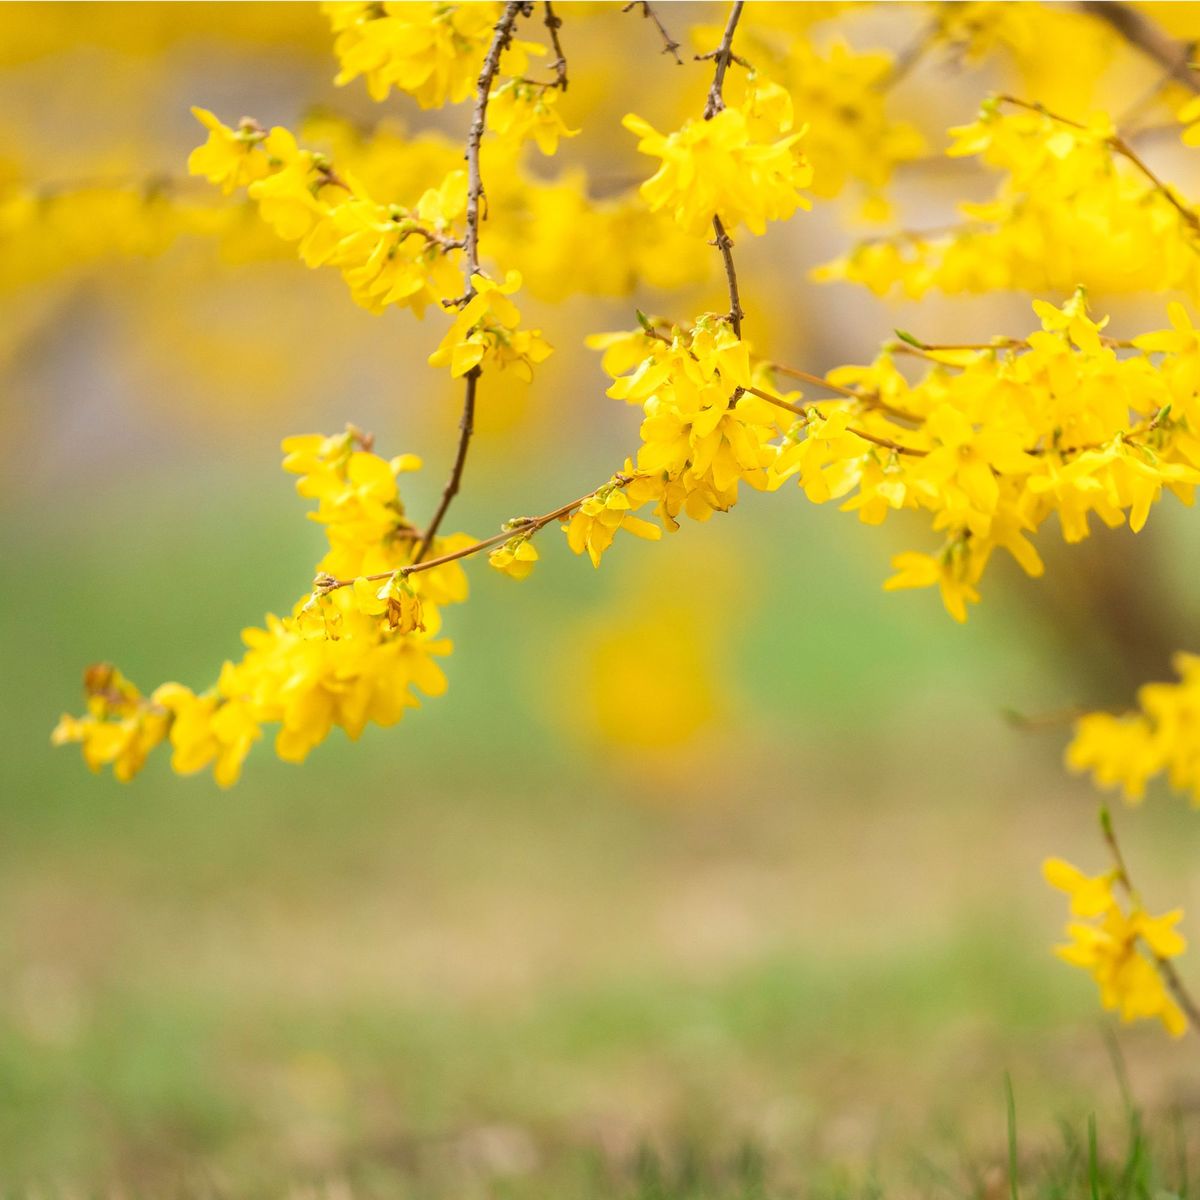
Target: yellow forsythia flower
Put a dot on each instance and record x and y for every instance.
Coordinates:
(1162, 736)
(1120, 949)
(430, 50)
(519, 110)
(486, 329)
(598, 519)
(347, 654)
(393, 598)
(514, 558)
(230, 158)
(723, 167)
(951, 571)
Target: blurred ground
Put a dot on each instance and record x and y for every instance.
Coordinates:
(504, 946)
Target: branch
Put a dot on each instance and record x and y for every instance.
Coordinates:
(559, 65)
(670, 45)
(466, 427)
(908, 57)
(724, 243)
(869, 399)
(483, 89)
(874, 439)
(715, 103)
(723, 55)
(1143, 34)
(517, 527)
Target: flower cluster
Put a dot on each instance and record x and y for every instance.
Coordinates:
(485, 332)
(429, 50)
(851, 138)
(520, 111)
(1163, 736)
(990, 442)
(565, 240)
(346, 656)
(742, 165)
(603, 514)
(993, 440)
(1121, 946)
(1072, 210)
(703, 433)
(387, 254)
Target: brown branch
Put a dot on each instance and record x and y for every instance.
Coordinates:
(466, 425)
(724, 243)
(908, 57)
(1034, 722)
(670, 45)
(714, 104)
(483, 88)
(815, 380)
(1144, 35)
(723, 55)
(518, 527)
(1166, 969)
(443, 243)
(870, 399)
(559, 65)
(874, 439)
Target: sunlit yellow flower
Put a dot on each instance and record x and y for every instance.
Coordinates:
(520, 110)
(486, 329)
(598, 519)
(514, 558)
(231, 158)
(718, 167)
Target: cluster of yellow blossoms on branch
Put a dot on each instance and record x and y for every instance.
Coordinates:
(346, 657)
(990, 441)
(1121, 945)
(1161, 737)
(987, 441)
(1068, 187)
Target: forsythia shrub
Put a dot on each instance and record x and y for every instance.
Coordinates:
(986, 441)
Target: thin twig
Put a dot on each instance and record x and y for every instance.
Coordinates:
(466, 428)
(714, 104)
(559, 65)
(723, 55)
(670, 45)
(724, 243)
(1033, 722)
(870, 399)
(520, 527)
(1166, 969)
(908, 57)
(875, 439)
(475, 194)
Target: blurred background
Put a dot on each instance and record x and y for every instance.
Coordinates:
(717, 851)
